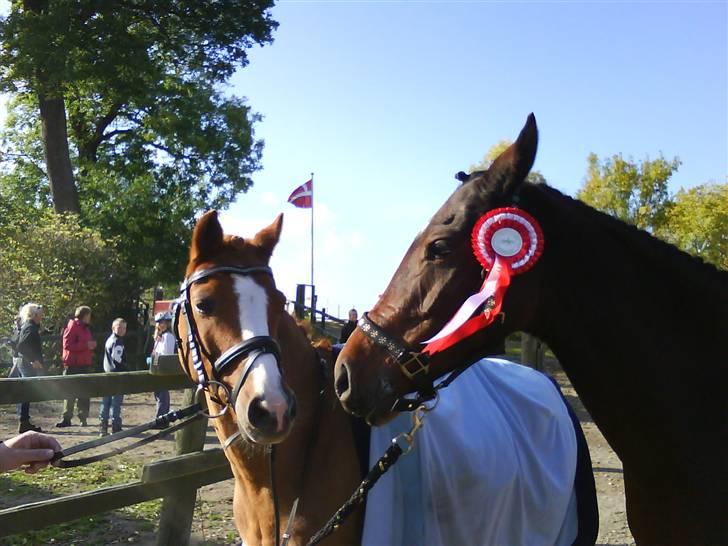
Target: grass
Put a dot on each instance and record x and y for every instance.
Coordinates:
(89, 531)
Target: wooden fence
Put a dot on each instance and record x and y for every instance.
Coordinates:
(321, 321)
(175, 479)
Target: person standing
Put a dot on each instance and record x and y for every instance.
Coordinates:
(114, 361)
(30, 351)
(164, 344)
(78, 352)
(349, 327)
(17, 359)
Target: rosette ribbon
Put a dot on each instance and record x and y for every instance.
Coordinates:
(506, 242)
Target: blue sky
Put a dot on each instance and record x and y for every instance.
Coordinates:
(385, 101)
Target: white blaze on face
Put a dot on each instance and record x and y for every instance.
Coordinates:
(265, 376)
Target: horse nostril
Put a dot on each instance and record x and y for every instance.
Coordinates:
(342, 382)
(259, 417)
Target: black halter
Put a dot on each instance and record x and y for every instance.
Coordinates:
(415, 366)
(250, 349)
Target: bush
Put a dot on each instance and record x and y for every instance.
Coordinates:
(53, 260)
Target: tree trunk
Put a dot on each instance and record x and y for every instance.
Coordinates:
(57, 155)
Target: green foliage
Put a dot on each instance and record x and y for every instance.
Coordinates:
(698, 223)
(694, 220)
(153, 138)
(52, 260)
(634, 192)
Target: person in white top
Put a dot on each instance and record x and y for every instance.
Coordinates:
(164, 344)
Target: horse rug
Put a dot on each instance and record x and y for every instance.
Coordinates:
(493, 465)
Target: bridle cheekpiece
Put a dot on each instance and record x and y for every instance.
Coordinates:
(249, 349)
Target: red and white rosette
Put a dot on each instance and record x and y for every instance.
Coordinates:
(511, 234)
(506, 241)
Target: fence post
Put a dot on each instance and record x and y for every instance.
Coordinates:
(300, 300)
(531, 352)
(175, 520)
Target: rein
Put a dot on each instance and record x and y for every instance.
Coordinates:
(270, 451)
(192, 413)
(250, 350)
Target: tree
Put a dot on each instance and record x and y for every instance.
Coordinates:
(128, 93)
(698, 223)
(52, 260)
(634, 192)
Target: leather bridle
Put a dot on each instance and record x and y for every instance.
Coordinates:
(415, 366)
(249, 349)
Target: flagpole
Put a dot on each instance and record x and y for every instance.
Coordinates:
(312, 238)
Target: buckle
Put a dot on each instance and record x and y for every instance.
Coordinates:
(420, 367)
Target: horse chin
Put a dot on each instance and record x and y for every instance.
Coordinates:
(381, 410)
(264, 439)
(379, 418)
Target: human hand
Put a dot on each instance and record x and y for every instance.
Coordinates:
(30, 449)
(92, 344)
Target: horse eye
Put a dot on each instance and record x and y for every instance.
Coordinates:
(205, 306)
(438, 249)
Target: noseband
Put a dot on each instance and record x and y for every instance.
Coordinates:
(415, 366)
(250, 349)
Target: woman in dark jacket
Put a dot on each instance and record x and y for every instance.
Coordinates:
(30, 349)
(349, 327)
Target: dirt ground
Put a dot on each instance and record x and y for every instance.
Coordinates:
(213, 514)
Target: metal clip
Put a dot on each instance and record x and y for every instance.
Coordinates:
(406, 440)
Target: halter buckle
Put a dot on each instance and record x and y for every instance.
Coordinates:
(420, 366)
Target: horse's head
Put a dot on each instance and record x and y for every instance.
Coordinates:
(438, 273)
(227, 319)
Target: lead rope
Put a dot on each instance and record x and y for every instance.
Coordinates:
(274, 494)
(386, 461)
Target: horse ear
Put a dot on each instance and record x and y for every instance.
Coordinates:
(510, 168)
(206, 237)
(267, 238)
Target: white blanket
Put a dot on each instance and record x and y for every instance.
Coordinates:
(494, 465)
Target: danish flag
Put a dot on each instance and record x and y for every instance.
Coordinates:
(302, 196)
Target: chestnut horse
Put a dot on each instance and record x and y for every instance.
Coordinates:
(638, 326)
(231, 303)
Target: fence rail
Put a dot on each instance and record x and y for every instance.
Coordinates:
(60, 387)
(162, 478)
(176, 479)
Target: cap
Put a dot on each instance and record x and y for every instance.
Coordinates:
(165, 315)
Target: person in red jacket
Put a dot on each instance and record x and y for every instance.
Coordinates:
(78, 352)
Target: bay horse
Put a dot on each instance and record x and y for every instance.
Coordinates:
(638, 326)
(232, 317)
(232, 301)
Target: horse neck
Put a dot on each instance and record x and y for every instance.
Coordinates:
(627, 316)
(317, 463)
